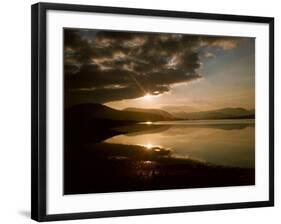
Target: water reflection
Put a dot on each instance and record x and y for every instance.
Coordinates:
(230, 144)
(155, 156)
(148, 122)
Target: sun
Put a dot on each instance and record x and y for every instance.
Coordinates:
(147, 96)
(148, 146)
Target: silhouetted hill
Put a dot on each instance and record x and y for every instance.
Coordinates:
(224, 113)
(96, 122)
(162, 113)
(102, 112)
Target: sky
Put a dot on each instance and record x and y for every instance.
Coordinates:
(176, 72)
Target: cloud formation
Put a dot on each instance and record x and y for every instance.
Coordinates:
(105, 66)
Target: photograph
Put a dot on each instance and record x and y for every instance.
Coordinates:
(147, 111)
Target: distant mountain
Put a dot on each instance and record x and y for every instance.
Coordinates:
(162, 113)
(101, 112)
(224, 113)
(177, 109)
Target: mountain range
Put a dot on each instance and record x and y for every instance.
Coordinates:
(101, 112)
(164, 114)
(224, 113)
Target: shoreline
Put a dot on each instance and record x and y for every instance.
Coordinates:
(104, 168)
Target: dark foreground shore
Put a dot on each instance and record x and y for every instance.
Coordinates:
(102, 167)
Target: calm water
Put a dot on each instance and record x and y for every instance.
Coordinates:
(220, 142)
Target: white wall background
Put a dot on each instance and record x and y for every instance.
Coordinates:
(15, 110)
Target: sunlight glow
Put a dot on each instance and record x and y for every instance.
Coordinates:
(147, 162)
(148, 122)
(147, 96)
(148, 146)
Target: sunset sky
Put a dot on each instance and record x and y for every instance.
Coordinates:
(151, 70)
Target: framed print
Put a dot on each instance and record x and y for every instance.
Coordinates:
(138, 111)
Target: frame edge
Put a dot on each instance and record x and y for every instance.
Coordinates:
(154, 12)
(271, 111)
(38, 112)
(34, 113)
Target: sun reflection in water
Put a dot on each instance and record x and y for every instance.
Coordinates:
(147, 162)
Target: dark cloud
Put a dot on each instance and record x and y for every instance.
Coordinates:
(225, 43)
(104, 66)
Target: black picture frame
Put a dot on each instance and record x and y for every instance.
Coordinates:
(39, 123)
